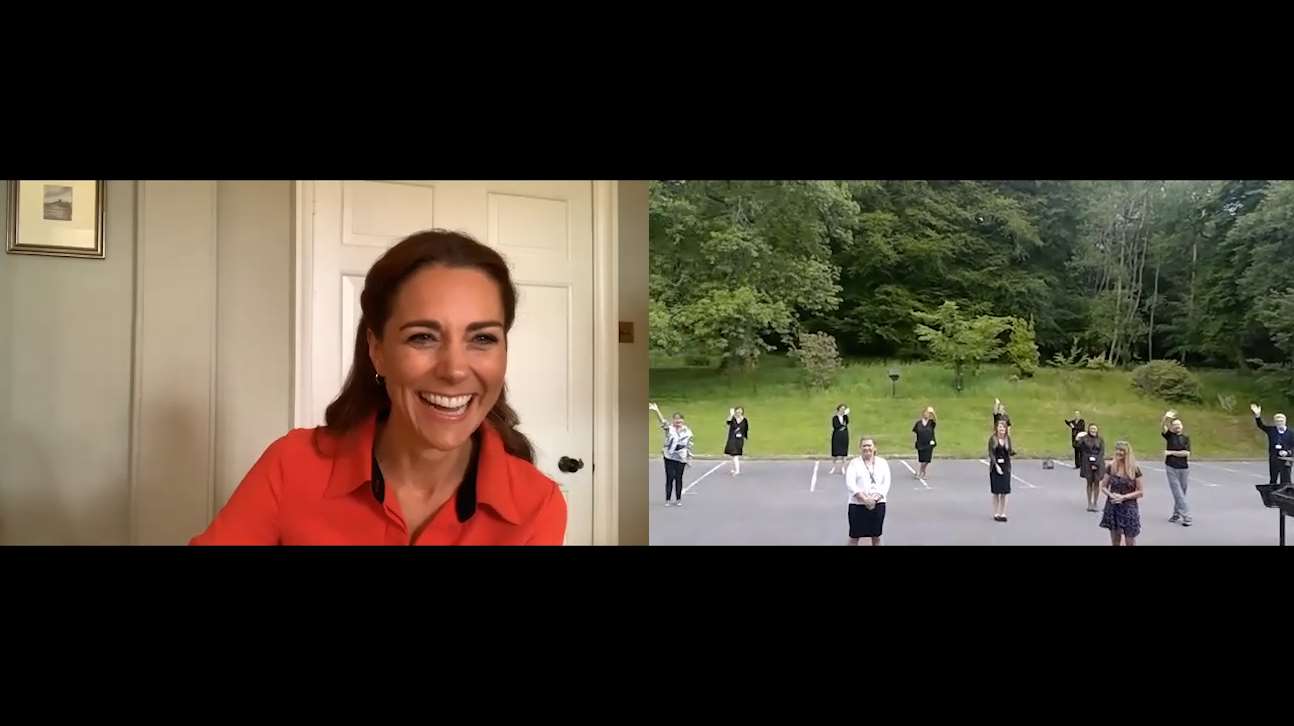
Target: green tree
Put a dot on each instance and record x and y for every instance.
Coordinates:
(1021, 349)
(730, 324)
(663, 334)
(1277, 315)
(1176, 315)
(1118, 228)
(918, 244)
(1268, 234)
(1055, 208)
(1225, 333)
(818, 358)
(735, 262)
(959, 341)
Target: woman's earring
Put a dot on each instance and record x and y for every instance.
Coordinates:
(379, 379)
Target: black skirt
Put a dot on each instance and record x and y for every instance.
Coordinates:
(735, 446)
(925, 455)
(840, 443)
(999, 484)
(1091, 471)
(864, 522)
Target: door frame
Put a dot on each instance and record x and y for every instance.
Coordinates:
(606, 360)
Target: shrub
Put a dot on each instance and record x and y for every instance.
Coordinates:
(1100, 363)
(1168, 380)
(1076, 358)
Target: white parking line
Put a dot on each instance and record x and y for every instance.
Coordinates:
(1013, 476)
(1191, 480)
(698, 479)
(914, 473)
(1233, 471)
(813, 483)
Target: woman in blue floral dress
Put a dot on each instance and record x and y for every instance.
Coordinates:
(1122, 487)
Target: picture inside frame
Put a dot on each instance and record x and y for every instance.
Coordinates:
(56, 217)
(58, 203)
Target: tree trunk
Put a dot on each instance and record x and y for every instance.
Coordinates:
(1120, 271)
(1190, 304)
(1104, 242)
(1150, 337)
(1136, 268)
(1112, 355)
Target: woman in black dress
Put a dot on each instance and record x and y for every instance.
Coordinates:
(1122, 486)
(1076, 426)
(738, 430)
(924, 428)
(839, 438)
(1000, 452)
(1091, 459)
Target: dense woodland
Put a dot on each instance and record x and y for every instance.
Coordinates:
(1196, 271)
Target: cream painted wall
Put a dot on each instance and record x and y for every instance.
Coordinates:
(65, 364)
(215, 263)
(174, 392)
(632, 475)
(213, 370)
(254, 371)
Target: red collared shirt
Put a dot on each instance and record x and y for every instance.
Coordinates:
(296, 496)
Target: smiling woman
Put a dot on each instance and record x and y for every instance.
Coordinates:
(422, 421)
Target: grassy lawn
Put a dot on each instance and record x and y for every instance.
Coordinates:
(789, 419)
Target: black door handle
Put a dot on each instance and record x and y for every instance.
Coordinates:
(569, 465)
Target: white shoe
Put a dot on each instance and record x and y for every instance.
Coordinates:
(679, 503)
(668, 503)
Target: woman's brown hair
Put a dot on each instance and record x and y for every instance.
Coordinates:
(362, 397)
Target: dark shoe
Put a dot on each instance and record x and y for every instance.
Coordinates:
(1175, 519)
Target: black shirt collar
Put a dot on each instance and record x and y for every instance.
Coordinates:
(464, 497)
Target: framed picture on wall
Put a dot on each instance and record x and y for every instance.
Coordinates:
(60, 218)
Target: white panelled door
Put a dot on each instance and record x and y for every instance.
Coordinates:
(543, 229)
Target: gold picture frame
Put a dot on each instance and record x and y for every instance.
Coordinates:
(57, 218)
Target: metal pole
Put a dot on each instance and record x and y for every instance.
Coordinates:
(1288, 463)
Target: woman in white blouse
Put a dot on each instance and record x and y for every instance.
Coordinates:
(868, 480)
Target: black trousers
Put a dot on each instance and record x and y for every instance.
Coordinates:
(1276, 467)
(674, 478)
